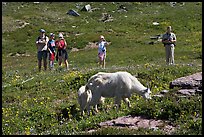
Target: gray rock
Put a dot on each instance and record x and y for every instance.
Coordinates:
(86, 8)
(73, 13)
(186, 91)
(189, 82)
(138, 122)
(164, 91)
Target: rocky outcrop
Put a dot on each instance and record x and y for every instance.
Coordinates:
(139, 122)
(189, 85)
(189, 82)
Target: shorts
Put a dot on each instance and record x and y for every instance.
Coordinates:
(51, 56)
(102, 56)
(42, 55)
(63, 54)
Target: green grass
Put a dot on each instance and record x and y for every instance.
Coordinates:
(46, 102)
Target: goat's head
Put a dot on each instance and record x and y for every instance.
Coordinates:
(147, 94)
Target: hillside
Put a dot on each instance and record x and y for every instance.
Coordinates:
(46, 102)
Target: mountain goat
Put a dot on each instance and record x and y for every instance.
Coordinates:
(84, 98)
(119, 85)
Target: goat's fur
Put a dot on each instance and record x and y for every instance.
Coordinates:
(119, 85)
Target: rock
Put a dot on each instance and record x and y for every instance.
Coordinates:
(106, 17)
(122, 8)
(155, 23)
(138, 122)
(186, 91)
(86, 8)
(189, 82)
(156, 37)
(73, 13)
(164, 91)
(74, 50)
(172, 4)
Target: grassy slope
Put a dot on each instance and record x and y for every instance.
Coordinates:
(35, 106)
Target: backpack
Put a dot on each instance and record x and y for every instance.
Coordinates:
(62, 44)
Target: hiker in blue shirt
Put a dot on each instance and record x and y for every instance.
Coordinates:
(51, 50)
(102, 51)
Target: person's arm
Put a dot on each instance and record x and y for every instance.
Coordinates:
(49, 50)
(164, 40)
(174, 39)
(65, 44)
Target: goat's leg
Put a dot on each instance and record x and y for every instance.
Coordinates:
(126, 100)
(88, 109)
(118, 102)
(96, 108)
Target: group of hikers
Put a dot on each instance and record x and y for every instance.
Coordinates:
(46, 47)
(49, 48)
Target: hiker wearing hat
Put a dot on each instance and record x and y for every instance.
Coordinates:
(41, 44)
(102, 51)
(51, 49)
(62, 52)
(169, 40)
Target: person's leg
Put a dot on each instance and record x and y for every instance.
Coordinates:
(45, 60)
(101, 62)
(66, 60)
(39, 55)
(104, 63)
(172, 55)
(66, 64)
(60, 60)
(39, 65)
(99, 59)
(167, 54)
(50, 64)
(60, 57)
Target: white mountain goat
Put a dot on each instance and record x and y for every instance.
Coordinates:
(119, 85)
(84, 98)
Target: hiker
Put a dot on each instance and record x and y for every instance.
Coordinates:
(102, 51)
(62, 52)
(51, 50)
(169, 40)
(41, 44)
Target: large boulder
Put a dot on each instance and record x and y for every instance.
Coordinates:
(189, 82)
(136, 122)
(188, 86)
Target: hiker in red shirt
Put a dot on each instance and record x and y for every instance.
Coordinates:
(62, 52)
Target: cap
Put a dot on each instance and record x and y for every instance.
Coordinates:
(52, 34)
(42, 30)
(169, 27)
(101, 37)
(60, 35)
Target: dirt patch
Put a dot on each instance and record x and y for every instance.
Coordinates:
(90, 45)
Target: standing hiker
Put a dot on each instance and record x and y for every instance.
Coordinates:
(102, 51)
(41, 44)
(51, 50)
(169, 39)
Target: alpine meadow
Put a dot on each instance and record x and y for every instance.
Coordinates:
(45, 103)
